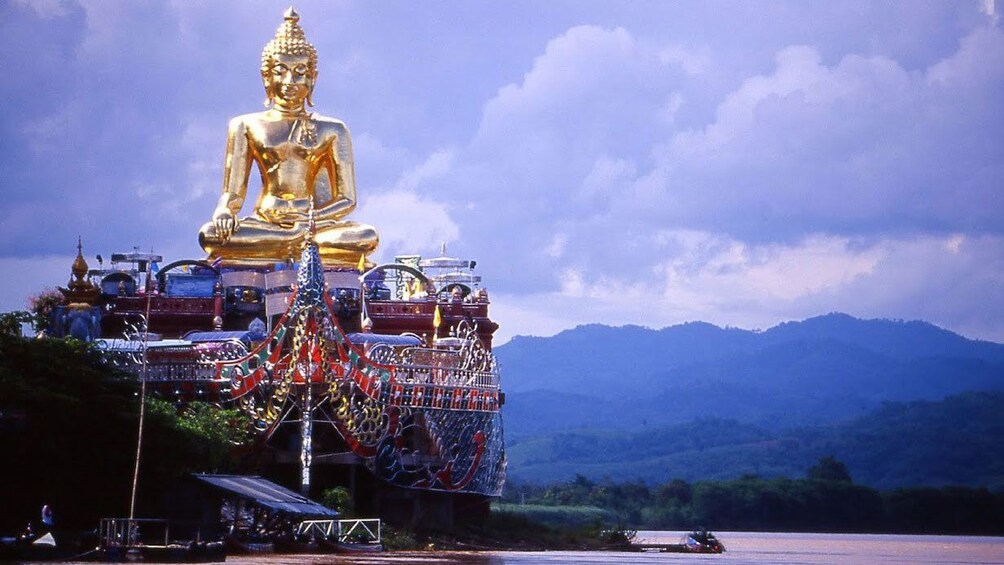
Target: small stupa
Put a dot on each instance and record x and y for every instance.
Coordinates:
(79, 290)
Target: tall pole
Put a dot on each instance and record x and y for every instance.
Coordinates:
(142, 410)
(306, 442)
(307, 423)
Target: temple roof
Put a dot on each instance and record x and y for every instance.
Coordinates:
(241, 335)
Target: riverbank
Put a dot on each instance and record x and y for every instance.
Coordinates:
(505, 531)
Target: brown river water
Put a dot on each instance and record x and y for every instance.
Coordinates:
(741, 547)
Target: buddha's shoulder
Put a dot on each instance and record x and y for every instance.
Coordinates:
(255, 119)
(245, 120)
(329, 122)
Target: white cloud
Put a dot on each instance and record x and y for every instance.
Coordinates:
(438, 164)
(672, 108)
(557, 245)
(47, 9)
(411, 216)
(47, 135)
(572, 63)
(860, 146)
(733, 270)
(989, 7)
(808, 179)
(606, 179)
(407, 223)
(726, 282)
(691, 62)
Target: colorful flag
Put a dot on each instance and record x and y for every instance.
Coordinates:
(437, 318)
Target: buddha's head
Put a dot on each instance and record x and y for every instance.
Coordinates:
(289, 65)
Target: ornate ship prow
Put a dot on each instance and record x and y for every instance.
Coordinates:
(400, 369)
(420, 413)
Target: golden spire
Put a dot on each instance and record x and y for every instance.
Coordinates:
(79, 290)
(79, 267)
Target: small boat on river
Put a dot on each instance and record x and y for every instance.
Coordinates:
(697, 541)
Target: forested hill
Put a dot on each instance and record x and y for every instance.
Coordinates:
(890, 398)
(957, 441)
(824, 369)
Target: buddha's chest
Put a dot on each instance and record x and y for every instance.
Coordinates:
(289, 140)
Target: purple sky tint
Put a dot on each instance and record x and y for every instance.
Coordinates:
(646, 162)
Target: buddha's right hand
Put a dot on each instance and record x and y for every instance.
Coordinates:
(225, 224)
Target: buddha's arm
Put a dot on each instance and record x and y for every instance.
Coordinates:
(236, 169)
(342, 176)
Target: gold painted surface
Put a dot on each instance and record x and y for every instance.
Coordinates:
(80, 293)
(303, 158)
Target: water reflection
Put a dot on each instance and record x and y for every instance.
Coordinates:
(417, 557)
(742, 547)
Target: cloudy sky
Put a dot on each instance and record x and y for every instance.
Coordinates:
(644, 162)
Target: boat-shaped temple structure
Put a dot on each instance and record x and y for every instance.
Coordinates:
(382, 380)
(377, 377)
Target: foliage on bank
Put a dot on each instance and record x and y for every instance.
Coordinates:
(68, 427)
(516, 530)
(826, 501)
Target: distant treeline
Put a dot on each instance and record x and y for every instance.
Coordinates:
(826, 501)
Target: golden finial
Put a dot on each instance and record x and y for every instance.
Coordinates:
(79, 290)
(79, 267)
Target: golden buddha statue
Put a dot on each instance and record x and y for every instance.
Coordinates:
(305, 161)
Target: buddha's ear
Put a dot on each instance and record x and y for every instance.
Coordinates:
(269, 95)
(312, 80)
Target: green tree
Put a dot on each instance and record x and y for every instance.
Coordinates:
(68, 427)
(828, 468)
(340, 499)
(202, 437)
(10, 323)
(42, 306)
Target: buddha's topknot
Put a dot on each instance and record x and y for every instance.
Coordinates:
(289, 40)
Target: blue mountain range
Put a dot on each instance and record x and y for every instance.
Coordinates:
(799, 381)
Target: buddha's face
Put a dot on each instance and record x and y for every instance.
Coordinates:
(290, 80)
